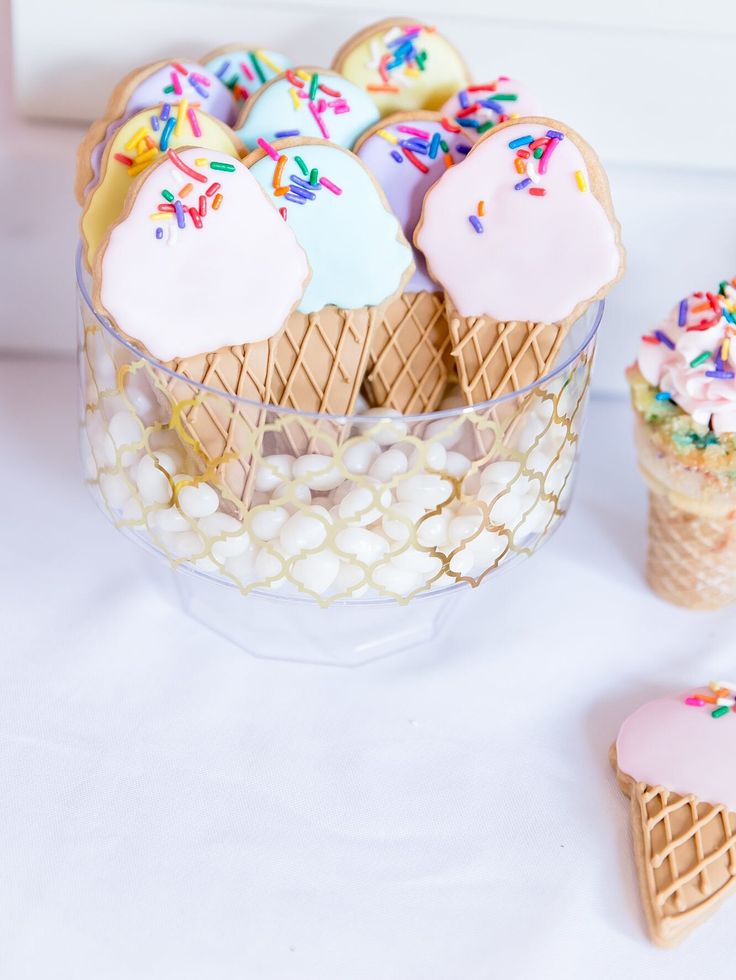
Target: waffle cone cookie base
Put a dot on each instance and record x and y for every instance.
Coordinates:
(493, 358)
(319, 363)
(225, 434)
(691, 559)
(685, 852)
(408, 364)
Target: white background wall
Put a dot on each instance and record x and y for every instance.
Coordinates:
(651, 85)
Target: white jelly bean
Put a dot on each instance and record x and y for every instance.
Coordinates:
(305, 530)
(187, 544)
(169, 460)
(395, 581)
(400, 522)
(316, 572)
(292, 496)
(358, 454)
(464, 526)
(132, 511)
(507, 509)
(170, 519)
(115, 489)
(500, 473)
(269, 566)
(428, 456)
(267, 523)
(243, 566)
(125, 431)
(447, 431)
(351, 579)
(433, 530)
(488, 546)
(153, 484)
(272, 471)
(427, 489)
(196, 500)
(317, 472)
(235, 540)
(462, 562)
(364, 545)
(359, 505)
(141, 398)
(416, 561)
(457, 465)
(388, 465)
(389, 430)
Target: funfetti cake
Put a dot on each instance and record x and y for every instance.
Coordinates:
(163, 82)
(523, 238)
(403, 65)
(674, 759)
(179, 278)
(360, 262)
(409, 358)
(683, 388)
(306, 103)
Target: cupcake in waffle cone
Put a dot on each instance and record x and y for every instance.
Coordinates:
(409, 359)
(205, 288)
(684, 398)
(360, 263)
(522, 245)
(672, 759)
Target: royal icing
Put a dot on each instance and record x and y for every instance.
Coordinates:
(478, 108)
(136, 146)
(406, 157)
(308, 102)
(516, 236)
(245, 70)
(172, 83)
(201, 260)
(684, 743)
(354, 244)
(404, 66)
(691, 357)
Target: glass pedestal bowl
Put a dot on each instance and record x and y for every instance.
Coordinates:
(322, 538)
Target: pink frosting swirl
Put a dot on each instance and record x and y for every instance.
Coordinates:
(671, 358)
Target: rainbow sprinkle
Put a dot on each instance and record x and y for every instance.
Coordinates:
(397, 56)
(720, 699)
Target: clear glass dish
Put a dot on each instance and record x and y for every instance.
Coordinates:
(316, 537)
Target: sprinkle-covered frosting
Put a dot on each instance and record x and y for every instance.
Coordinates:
(245, 70)
(179, 275)
(406, 156)
(403, 66)
(137, 145)
(310, 102)
(478, 108)
(684, 743)
(514, 231)
(354, 244)
(173, 82)
(690, 357)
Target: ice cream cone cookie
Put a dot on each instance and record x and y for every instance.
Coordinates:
(479, 107)
(171, 82)
(522, 237)
(136, 146)
(403, 65)
(245, 70)
(359, 258)
(674, 759)
(684, 396)
(307, 102)
(409, 357)
(181, 278)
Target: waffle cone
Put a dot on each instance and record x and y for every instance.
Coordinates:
(685, 854)
(409, 354)
(494, 358)
(226, 434)
(691, 559)
(319, 363)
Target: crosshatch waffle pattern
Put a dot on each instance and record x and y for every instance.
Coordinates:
(689, 858)
(370, 507)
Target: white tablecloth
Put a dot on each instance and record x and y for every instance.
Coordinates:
(172, 808)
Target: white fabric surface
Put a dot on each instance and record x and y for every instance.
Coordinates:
(172, 808)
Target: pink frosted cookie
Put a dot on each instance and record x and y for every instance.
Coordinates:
(674, 759)
(522, 237)
(480, 107)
